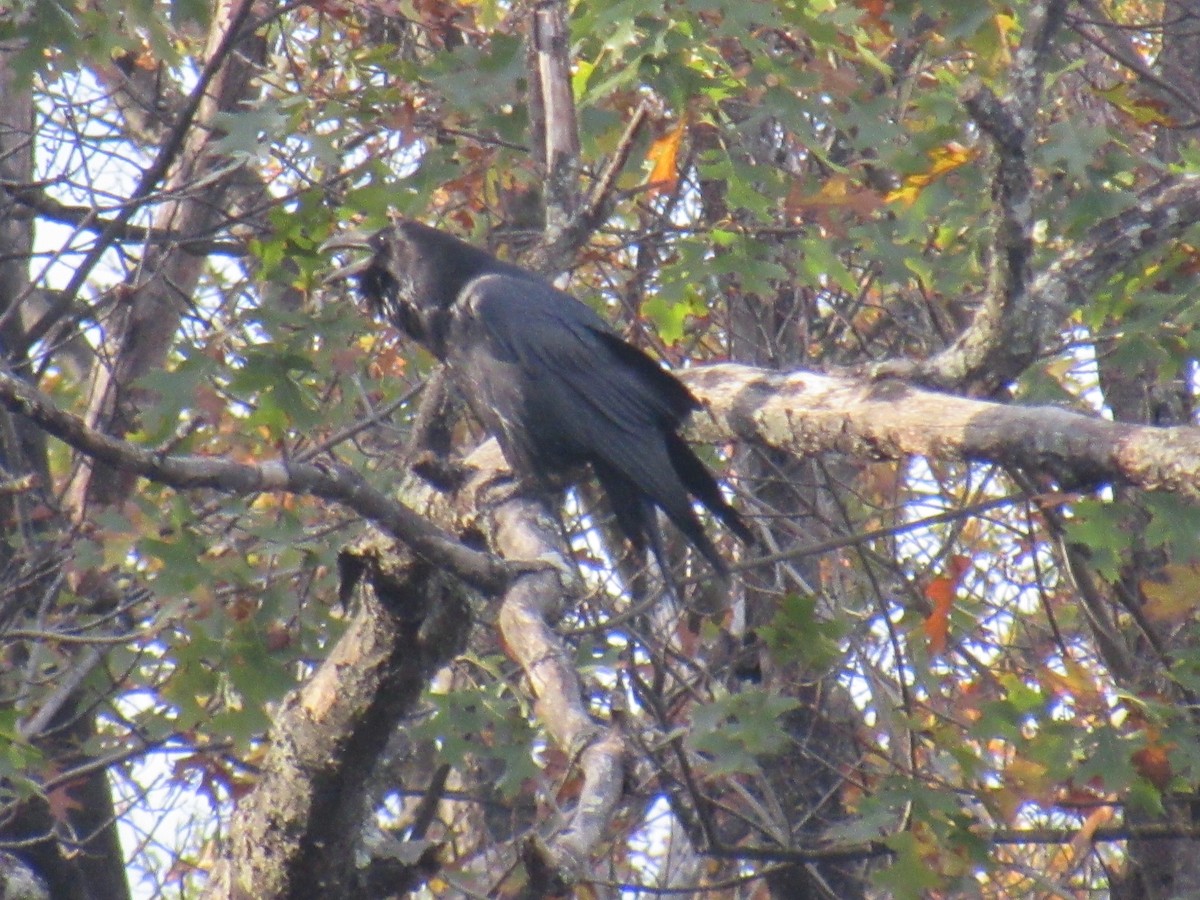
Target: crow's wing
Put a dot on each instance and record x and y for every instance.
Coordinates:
(559, 388)
(572, 380)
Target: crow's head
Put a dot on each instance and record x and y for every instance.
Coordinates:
(412, 276)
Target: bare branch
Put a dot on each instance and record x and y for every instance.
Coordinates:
(526, 530)
(152, 175)
(548, 36)
(87, 219)
(1000, 348)
(1114, 41)
(870, 849)
(596, 208)
(804, 412)
(338, 483)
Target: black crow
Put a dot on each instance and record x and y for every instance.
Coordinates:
(549, 379)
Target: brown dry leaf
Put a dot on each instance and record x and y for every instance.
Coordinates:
(1153, 763)
(61, 804)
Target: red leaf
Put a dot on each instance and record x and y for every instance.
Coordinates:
(60, 802)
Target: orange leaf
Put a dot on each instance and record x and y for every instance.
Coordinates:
(875, 12)
(937, 623)
(664, 153)
(940, 592)
(1153, 764)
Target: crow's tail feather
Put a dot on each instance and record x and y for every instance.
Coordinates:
(701, 484)
(637, 519)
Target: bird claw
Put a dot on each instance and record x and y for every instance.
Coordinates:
(568, 573)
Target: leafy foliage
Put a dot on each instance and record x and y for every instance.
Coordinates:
(936, 654)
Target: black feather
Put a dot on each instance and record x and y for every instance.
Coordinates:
(551, 381)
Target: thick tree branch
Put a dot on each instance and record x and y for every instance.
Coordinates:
(1163, 213)
(804, 412)
(299, 826)
(339, 484)
(570, 217)
(526, 530)
(551, 50)
(298, 834)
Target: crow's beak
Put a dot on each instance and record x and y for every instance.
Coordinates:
(348, 240)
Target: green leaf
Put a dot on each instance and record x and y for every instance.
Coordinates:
(734, 730)
(1143, 797)
(249, 131)
(908, 877)
(1102, 528)
(484, 723)
(798, 633)
(1174, 524)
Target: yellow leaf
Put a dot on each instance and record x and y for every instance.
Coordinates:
(1026, 776)
(950, 156)
(1004, 27)
(906, 195)
(942, 159)
(1143, 110)
(1172, 595)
